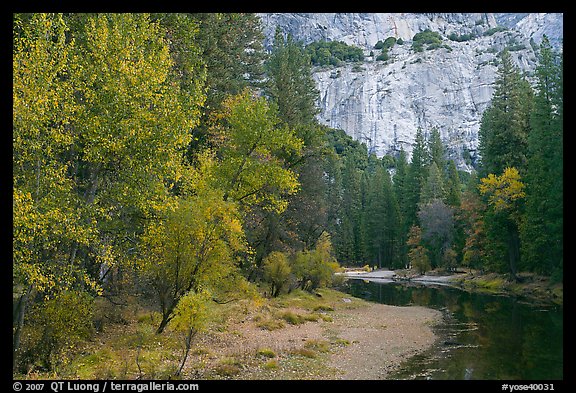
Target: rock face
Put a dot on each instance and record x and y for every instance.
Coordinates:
(383, 103)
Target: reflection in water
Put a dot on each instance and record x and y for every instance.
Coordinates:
(483, 336)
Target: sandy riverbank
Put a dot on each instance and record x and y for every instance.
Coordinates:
(356, 340)
(383, 337)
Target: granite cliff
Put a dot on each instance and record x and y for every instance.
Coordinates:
(382, 103)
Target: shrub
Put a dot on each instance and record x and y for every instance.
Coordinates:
(460, 38)
(315, 268)
(333, 52)
(309, 353)
(271, 365)
(266, 352)
(317, 345)
(494, 30)
(270, 324)
(419, 259)
(341, 342)
(58, 325)
(383, 56)
(293, 318)
(228, 367)
(276, 271)
(389, 42)
(417, 255)
(427, 37)
(323, 307)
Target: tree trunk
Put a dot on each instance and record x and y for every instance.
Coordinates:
(18, 320)
(166, 318)
(191, 333)
(514, 252)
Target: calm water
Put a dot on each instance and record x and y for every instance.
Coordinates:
(482, 336)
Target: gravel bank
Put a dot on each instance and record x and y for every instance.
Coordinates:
(360, 340)
(382, 338)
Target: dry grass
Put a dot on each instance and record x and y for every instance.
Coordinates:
(295, 336)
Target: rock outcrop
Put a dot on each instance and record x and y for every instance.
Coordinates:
(383, 103)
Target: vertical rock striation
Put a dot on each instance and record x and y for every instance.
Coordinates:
(382, 103)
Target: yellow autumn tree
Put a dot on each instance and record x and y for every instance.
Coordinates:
(503, 191)
(504, 194)
(195, 245)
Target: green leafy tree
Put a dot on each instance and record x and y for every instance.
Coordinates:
(190, 318)
(130, 131)
(57, 327)
(251, 168)
(47, 213)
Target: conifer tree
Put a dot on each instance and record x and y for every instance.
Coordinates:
(415, 178)
(375, 216)
(433, 188)
(505, 123)
(291, 85)
(437, 151)
(503, 143)
(231, 49)
(399, 184)
(542, 230)
(453, 190)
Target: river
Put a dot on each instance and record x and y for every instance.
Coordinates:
(482, 336)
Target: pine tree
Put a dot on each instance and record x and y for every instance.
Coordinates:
(433, 188)
(503, 144)
(399, 184)
(542, 231)
(231, 46)
(375, 216)
(415, 178)
(231, 49)
(505, 124)
(437, 150)
(453, 187)
(291, 85)
(392, 239)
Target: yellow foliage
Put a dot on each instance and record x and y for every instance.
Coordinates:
(504, 190)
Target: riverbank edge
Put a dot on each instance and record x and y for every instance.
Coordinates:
(360, 340)
(325, 335)
(532, 288)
